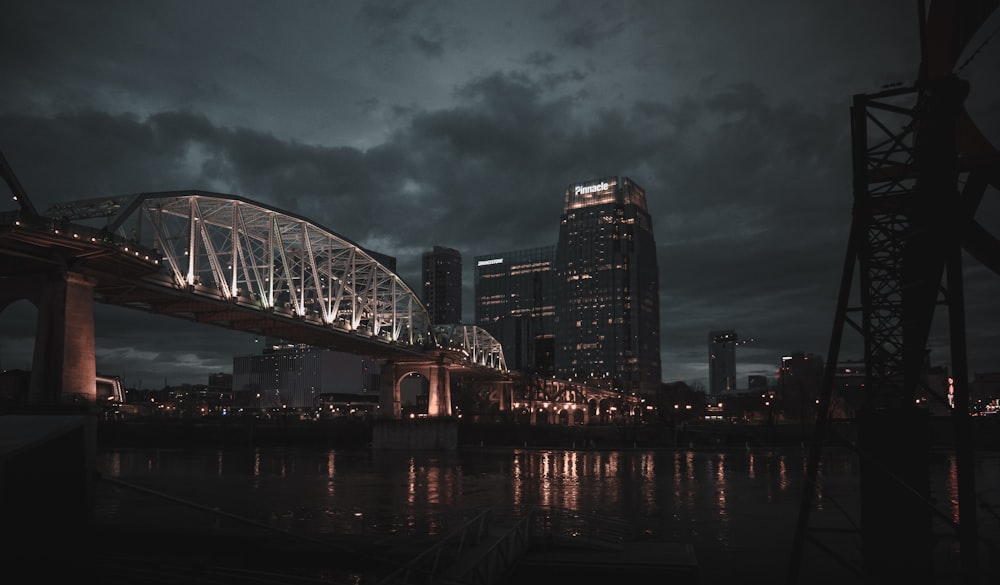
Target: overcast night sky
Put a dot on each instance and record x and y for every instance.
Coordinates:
(407, 124)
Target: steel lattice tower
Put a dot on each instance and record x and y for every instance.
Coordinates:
(920, 170)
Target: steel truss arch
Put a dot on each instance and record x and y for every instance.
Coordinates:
(479, 347)
(244, 252)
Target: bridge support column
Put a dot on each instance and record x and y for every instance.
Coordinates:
(439, 400)
(388, 398)
(64, 366)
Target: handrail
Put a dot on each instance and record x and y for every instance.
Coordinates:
(428, 566)
(503, 554)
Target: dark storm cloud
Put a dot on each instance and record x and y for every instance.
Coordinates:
(390, 21)
(540, 58)
(487, 176)
(591, 33)
(403, 125)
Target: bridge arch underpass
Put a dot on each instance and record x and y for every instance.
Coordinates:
(234, 263)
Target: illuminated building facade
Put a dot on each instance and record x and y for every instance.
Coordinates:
(608, 307)
(515, 303)
(722, 362)
(442, 285)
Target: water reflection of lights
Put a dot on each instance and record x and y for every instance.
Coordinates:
(331, 485)
(783, 481)
(648, 474)
(683, 478)
(433, 483)
(952, 488)
(411, 483)
(517, 483)
(673, 494)
(720, 498)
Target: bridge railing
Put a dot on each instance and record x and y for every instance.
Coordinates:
(84, 235)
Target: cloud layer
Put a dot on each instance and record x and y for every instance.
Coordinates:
(404, 125)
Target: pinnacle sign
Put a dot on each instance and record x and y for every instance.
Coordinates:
(590, 189)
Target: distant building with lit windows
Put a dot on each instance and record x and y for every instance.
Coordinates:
(607, 285)
(515, 303)
(442, 285)
(287, 375)
(799, 384)
(722, 362)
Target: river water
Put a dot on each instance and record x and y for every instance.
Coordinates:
(736, 508)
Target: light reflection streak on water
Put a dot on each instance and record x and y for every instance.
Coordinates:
(951, 487)
(649, 477)
(218, 463)
(411, 484)
(571, 489)
(442, 487)
(613, 464)
(751, 473)
(720, 495)
(819, 486)
(545, 486)
(614, 484)
(256, 472)
(517, 482)
(331, 484)
(683, 476)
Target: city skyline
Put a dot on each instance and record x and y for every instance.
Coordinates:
(409, 125)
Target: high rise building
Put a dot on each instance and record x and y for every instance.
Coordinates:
(442, 278)
(800, 381)
(515, 303)
(607, 281)
(722, 361)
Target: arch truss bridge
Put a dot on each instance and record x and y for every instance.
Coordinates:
(234, 263)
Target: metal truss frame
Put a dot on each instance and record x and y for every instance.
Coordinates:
(480, 348)
(228, 249)
(239, 250)
(920, 170)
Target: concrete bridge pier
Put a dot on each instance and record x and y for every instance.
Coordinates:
(64, 365)
(437, 374)
(439, 431)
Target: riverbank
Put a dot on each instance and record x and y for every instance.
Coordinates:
(357, 434)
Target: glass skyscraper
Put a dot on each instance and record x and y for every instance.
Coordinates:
(722, 361)
(515, 303)
(441, 269)
(607, 328)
